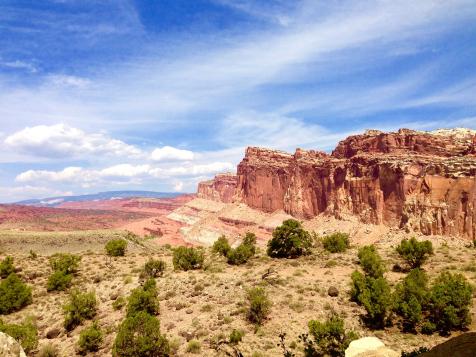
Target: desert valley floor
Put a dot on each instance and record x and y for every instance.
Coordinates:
(204, 304)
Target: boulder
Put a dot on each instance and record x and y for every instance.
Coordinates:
(9, 347)
(53, 333)
(369, 347)
(333, 291)
(460, 346)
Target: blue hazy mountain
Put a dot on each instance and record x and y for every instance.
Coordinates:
(109, 195)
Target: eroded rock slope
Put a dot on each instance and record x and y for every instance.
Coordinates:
(420, 181)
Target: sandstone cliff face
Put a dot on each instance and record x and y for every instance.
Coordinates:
(443, 142)
(222, 188)
(422, 181)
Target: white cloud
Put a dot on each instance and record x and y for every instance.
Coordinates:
(62, 140)
(63, 80)
(121, 172)
(79, 175)
(168, 153)
(20, 65)
(17, 193)
(125, 170)
(151, 88)
(192, 170)
(214, 167)
(269, 130)
(268, 11)
(178, 187)
(68, 174)
(250, 80)
(155, 87)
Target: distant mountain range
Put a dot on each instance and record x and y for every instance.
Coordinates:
(109, 195)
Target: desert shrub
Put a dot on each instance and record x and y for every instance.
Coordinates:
(14, 294)
(258, 354)
(415, 253)
(358, 285)
(64, 265)
(154, 268)
(26, 333)
(371, 262)
(59, 281)
(194, 346)
(328, 338)
(411, 297)
(336, 243)
(33, 254)
(415, 353)
(116, 247)
(375, 296)
(90, 339)
(174, 345)
(241, 254)
(221, 246)
(139, 335)
(119, 303)
(428, 327)
(289, 240)
(236, 336)
(259, 305)
(188, 258)
(6, 267)
(330, 264)
(81, 306)
(144, 298)
(48, 350)
(67, 263)
(450, 302)
(250, 240)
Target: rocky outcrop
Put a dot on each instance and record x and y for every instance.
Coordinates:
(369, 347)
(442, 143)
(420, 181)
(222, 188)
(9, 347)
(460, 346)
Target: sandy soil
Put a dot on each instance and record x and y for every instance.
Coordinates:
(203, 304)
(206, 303)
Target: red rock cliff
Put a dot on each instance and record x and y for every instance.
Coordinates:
(222, 188)
(423, 181)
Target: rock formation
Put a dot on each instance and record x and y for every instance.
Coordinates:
(222, 188)
(421, 181)
(460, 346)
(9, 347)
(369, 347)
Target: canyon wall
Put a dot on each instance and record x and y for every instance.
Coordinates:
(421, 181)
(222, 188)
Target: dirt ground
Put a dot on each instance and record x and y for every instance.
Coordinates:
(203, 304)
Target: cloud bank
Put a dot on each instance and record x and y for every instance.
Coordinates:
(184, 98)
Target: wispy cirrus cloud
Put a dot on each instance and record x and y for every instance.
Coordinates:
(21, 65)
(302, 73)
(153, 87)
(62, 80)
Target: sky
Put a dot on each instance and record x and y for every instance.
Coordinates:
(99, 95)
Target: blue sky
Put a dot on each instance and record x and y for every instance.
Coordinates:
(158, 95)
